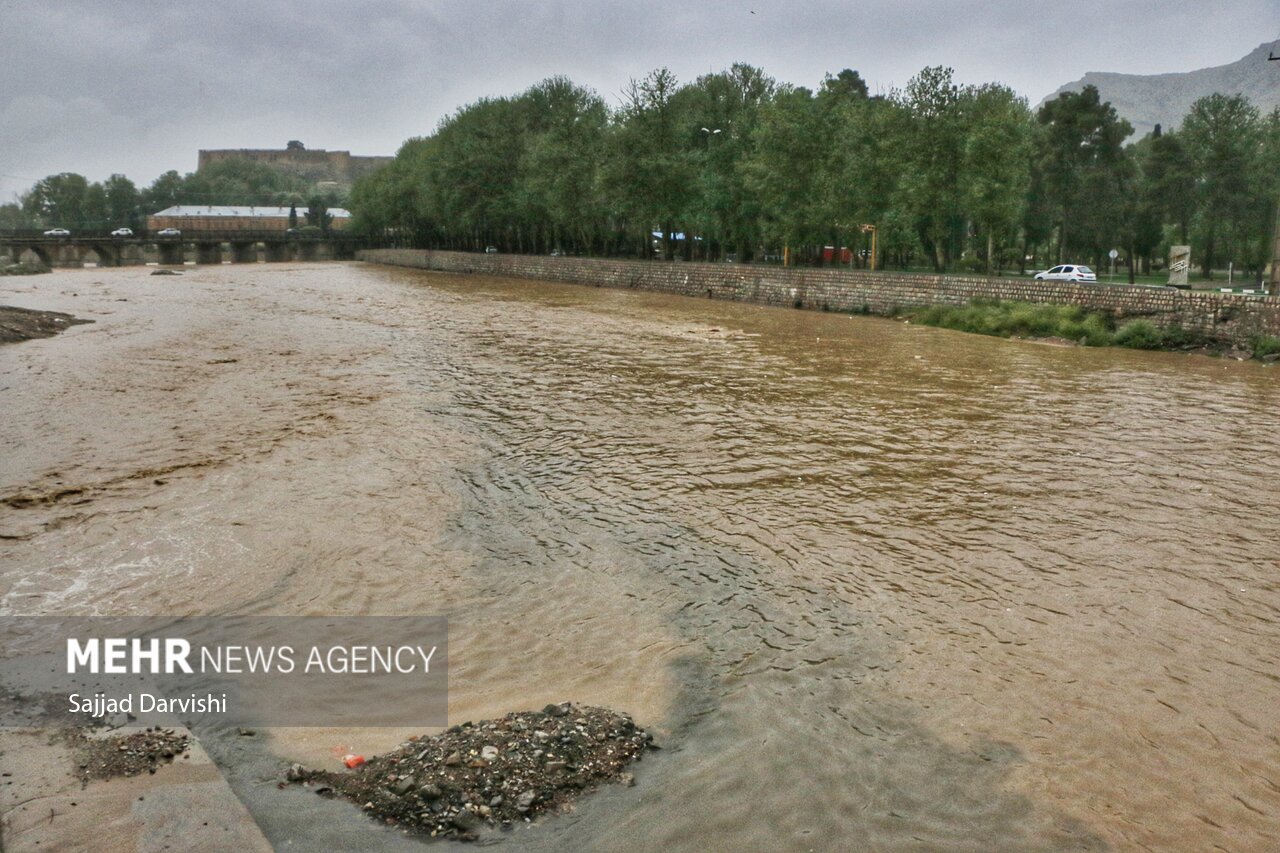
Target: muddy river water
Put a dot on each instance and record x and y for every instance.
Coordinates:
(874, 586)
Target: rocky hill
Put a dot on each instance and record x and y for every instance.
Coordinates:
(1150, 99)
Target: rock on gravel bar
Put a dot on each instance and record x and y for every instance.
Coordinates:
(494, 773)
(106, 757)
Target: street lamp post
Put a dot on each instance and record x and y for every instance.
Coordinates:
(711, 134)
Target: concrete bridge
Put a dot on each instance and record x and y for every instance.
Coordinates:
(205, 247)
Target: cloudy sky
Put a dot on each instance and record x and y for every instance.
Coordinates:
(139, 86)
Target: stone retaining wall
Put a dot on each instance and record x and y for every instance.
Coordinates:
(1223, 317)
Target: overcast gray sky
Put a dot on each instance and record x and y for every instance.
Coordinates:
(139, 86)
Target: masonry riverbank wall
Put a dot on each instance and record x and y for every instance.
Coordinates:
(1225, 318)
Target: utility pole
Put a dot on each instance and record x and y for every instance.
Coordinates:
(1273, 288)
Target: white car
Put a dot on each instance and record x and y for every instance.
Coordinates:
(122, 232)
(1067, 272)
(168, 232)
(57, 232)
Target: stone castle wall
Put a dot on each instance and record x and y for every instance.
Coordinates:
(1222, 317)
(313, 165)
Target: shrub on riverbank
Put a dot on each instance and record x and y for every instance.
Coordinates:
(1265, 345)
(1069, 322)
(1020, 319)
(1139, 334)
(23, 268)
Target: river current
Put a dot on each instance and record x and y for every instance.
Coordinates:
(874, 586)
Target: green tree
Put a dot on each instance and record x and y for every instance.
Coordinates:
(394, 203)
(865, 169)
(478, 150)
(653, 164)
(164, 192)
(95, 216)
(318, 214)
(13, 217)
(122, 201)
(848, 83)
(1223, 137)
(934, 147)
(58, 201)
(789, 170)
(996, 171)
(723, 112)
(559, 173)
(1169, 179)
(1081, 161)
(240, 182)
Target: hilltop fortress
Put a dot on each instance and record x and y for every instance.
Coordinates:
(317, 166)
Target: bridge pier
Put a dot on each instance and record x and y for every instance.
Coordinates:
(41, 255)
(108, 255)
(68, 257)
(244, 253)
(277, 252)
(172, 254)
(208, 253)
(205, 247)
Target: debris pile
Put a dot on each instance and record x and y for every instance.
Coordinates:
(126, 755)
(490, 774)
(23, 324)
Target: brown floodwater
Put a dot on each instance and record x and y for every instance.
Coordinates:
(875, 586)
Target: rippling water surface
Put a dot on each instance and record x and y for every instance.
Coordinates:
(876, 586)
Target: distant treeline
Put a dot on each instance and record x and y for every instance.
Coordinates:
(735, 163)
(69, 200)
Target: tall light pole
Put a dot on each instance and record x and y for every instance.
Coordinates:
(1274, 287)
(711, 134)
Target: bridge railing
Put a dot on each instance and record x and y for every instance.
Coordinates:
(189, 235)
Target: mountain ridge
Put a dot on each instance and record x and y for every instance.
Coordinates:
(1165, 99)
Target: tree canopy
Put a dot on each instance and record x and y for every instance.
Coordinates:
(736, 165)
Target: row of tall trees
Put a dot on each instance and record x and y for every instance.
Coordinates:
(736, 163)
(68, 200)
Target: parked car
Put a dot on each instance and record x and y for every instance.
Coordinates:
(57, 232)
(122, 232)
(491, 250)
(1067, 272)
(168, 232)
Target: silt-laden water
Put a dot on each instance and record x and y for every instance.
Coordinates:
(875, 586)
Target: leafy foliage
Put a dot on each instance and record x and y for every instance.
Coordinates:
(1020, 319)
(735, 165)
